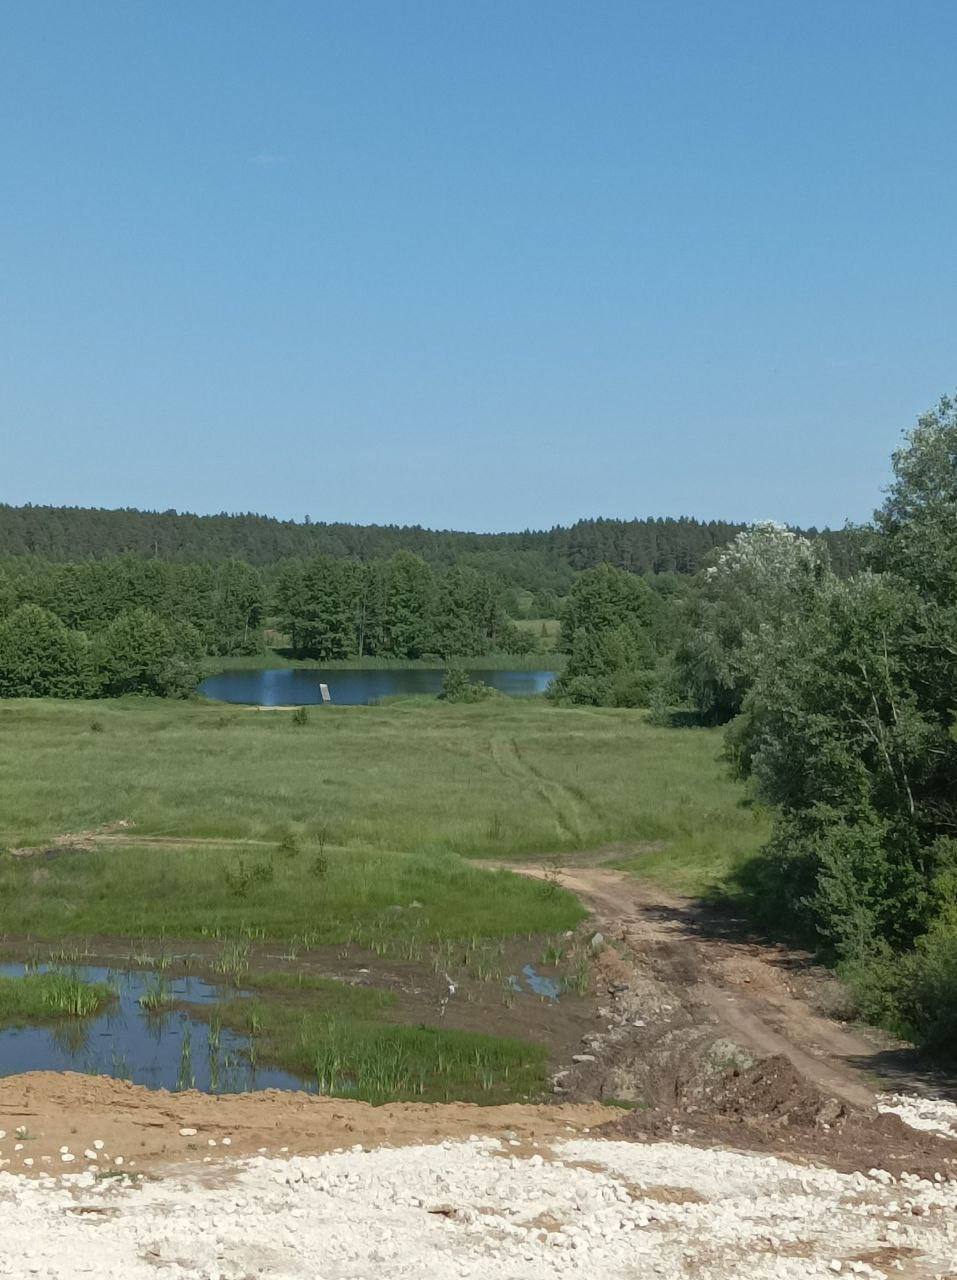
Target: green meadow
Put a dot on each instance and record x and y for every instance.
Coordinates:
(365, 828)
(507, 778)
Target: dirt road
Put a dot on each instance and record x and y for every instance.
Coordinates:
(747, 990)
(723, 1039)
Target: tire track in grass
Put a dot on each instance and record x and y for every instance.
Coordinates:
(558, 801)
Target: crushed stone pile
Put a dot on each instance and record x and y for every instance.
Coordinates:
(479, 1208)
(932, 1115)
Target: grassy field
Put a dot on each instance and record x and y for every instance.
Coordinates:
(221, 893)
(354, 828)
(500, 779)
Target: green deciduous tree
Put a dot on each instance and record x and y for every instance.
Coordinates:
(42, 658)
(607, 630)
(140, 653)
(847, 731)
(762, 579)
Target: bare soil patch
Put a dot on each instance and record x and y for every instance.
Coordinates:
(143, 1125)
(715, 1040)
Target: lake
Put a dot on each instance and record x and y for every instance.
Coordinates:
(299, 686)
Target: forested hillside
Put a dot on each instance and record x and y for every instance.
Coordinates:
(536, 560)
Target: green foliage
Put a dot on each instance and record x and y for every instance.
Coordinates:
(538, 561)
(603, 598)
(300, 716)
(607, 631)
(140, 653)
(458, 686)
(396, 608)
(762, 579)
(38, 997)
(926, 991)
(223, 602)
(846, 730)
(42, 658)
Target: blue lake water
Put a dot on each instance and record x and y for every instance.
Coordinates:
(299, 686)
(132, 1043)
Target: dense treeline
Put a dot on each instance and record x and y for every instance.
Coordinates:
(136, 652)
(394, 608)
(536, 560)
(840, 692)
(64, 626)
(842, 698)
(223, 602)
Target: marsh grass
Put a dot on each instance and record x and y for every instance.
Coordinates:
(282, 658)
(42, 997)
(156, 994)
(348, 1052)
(359, 898)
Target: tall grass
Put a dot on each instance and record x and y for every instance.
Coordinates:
(40, 997)
(363, 898)
(280, 658)
(505, 778)
(345, 1052)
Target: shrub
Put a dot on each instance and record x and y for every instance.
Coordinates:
(457, 686)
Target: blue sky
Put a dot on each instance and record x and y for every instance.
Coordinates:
(481, 265)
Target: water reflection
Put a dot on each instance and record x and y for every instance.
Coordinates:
(166, 1048)
(279, 687)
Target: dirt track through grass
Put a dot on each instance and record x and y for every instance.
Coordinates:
(501, 779)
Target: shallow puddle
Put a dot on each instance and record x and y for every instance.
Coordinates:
(164, 1049)
(539, 985)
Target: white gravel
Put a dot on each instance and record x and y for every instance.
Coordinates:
(932, 1114)
(475, 1209)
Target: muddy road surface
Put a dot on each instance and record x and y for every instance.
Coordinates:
(708, 1035)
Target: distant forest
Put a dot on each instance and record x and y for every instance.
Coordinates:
(537, 560)
(110, 602)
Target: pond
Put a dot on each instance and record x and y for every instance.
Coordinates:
(167, 1049)
(299, 686)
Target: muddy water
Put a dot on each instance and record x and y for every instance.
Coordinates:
(169, 1049)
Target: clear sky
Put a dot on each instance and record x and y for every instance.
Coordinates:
(483, 265)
